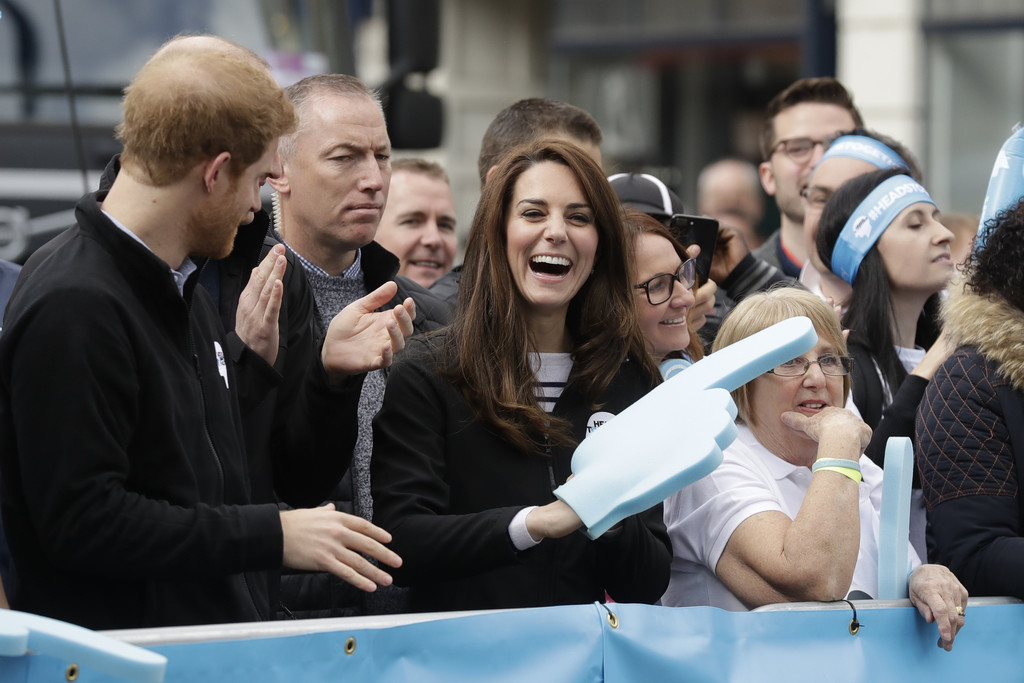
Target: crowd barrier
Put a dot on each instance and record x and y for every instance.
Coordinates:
(880, 640)
(616, 642)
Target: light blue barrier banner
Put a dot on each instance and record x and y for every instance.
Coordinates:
(588, 643)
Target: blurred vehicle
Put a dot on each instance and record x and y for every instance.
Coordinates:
(57, 114)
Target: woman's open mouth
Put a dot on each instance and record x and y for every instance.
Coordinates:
(550, 266)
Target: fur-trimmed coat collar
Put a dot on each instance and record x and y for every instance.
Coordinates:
(993, 326)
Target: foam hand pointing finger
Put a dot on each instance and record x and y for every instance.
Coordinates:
(675, 434)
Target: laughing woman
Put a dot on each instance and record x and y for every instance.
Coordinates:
(479, 423)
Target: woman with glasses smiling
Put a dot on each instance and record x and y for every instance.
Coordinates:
(792, 513)
(664, 295)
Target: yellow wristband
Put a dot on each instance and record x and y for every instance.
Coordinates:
(846, 471)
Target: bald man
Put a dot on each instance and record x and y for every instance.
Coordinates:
(729, 190)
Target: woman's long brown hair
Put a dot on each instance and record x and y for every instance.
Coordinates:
(488, 344)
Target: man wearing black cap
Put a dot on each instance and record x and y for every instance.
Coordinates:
(646, 193)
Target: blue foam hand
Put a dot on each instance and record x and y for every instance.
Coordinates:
(675, 434)
(1006, 185)
(21, 632)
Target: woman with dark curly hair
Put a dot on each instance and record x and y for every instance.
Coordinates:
(479, 422)
(970, 427)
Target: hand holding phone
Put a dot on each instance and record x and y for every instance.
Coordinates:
(699, 230)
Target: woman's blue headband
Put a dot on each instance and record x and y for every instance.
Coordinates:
(870, 219)
(866, 149)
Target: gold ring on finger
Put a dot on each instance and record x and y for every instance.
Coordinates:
(960, 610)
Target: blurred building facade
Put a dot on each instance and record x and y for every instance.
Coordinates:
(674, 84)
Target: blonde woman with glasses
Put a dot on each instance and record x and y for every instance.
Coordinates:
(792, 513)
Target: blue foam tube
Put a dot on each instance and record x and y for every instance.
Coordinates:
(1006, 185)
(894, 522)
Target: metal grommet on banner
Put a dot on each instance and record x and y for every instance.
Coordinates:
(350, 645)
(854, 624)
(71, 674)
(613, 619)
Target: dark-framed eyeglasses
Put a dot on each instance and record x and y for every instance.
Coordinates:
(799, 150)
(832, 365)
(816, 197)
(659, 288)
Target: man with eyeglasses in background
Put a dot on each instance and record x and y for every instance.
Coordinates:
(848, 154)
(797, 122)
